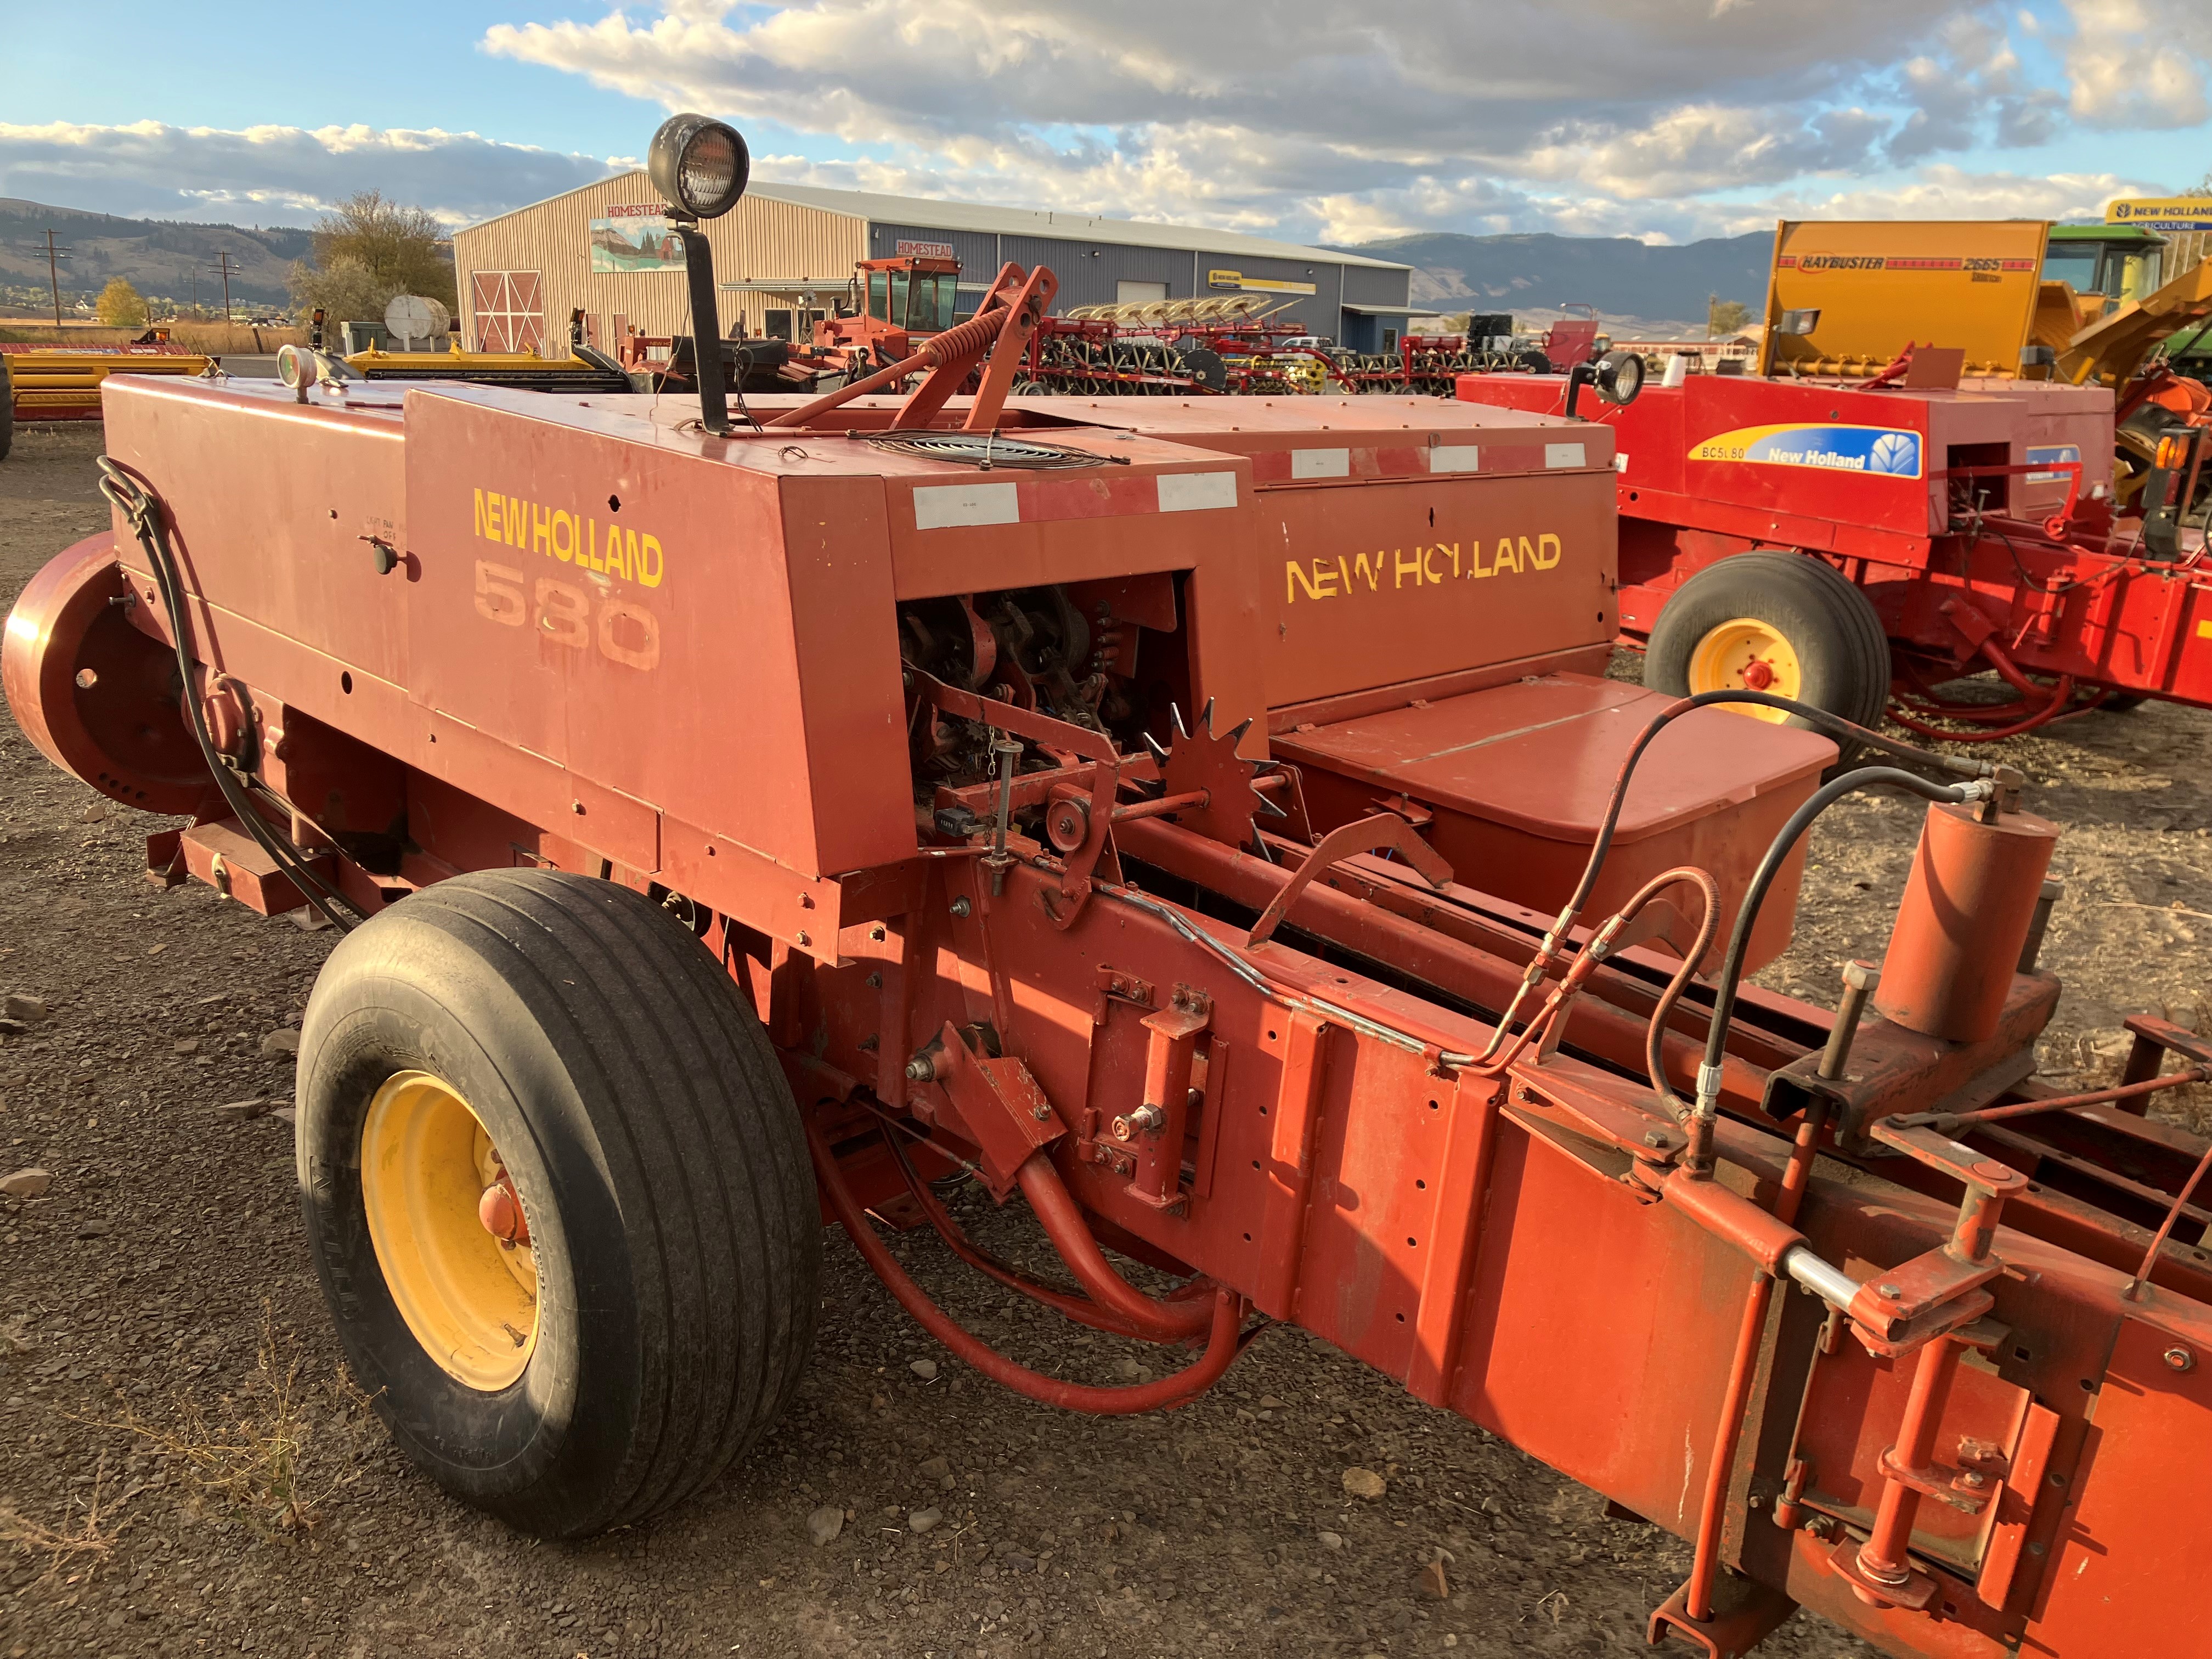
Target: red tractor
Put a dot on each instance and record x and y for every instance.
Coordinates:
(1198, 817)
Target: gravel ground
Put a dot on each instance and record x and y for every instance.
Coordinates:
(183, 1467)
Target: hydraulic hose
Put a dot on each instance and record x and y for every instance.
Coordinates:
(140, 506)
(1156, 1322)
(1709, 1073)
(1224, 1342)
(1829, 726)
(1073, 1305)
(1655, 1033)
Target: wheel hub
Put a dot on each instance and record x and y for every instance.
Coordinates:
(449, 1232)
(1748, 653)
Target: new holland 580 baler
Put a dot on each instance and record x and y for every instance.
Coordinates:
(738, 827)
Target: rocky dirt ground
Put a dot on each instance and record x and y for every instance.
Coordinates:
(184, 1468)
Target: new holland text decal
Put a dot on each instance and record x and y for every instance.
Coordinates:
(1876, 449)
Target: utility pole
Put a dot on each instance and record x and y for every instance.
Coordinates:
(226, 267)
(54, 257)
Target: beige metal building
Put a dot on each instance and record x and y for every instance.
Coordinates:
(604, 250)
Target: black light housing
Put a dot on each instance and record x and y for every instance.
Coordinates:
(1619, 377)
(699, 164)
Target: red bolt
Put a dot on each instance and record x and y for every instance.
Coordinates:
(1758, 674)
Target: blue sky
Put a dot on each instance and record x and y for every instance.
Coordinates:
(1662, 119)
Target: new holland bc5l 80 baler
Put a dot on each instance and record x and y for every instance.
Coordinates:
(742, 825)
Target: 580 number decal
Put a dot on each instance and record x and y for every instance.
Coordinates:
(567, 615)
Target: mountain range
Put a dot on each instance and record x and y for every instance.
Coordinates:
(1659, 290)
(155, 256)
(1655, 289)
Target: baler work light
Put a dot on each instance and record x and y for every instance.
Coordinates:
(699, 164)
(699, 167)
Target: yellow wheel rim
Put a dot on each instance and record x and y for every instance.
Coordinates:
(1746, 654)
(470, 1298)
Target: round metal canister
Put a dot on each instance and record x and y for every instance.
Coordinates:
(1964, 918)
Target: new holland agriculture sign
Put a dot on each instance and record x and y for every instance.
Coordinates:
(2167, 213)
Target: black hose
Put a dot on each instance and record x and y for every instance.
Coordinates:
(1723, 1009)
(137, 504)
(1829, 726)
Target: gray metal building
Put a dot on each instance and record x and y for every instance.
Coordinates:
(594, 249)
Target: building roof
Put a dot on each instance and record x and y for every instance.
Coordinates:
(936, 214)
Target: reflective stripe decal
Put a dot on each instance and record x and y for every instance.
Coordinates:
(937, 506)
(1565, 455)
(1191, 492)
(1321, 464)
(1455, 458)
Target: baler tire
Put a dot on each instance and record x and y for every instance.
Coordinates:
(1830, 623)
(7, 411)
(659, 1163)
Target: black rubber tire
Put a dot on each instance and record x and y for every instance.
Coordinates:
(1842, 651)
(660, 1161)
(2121, 702)
(7, 411)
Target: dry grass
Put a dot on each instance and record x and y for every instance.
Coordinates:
(257, 1451)
(218, 339)
(83, 1540)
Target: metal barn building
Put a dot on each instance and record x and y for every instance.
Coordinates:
(604, 250)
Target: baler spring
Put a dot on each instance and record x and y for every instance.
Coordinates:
(138, 503)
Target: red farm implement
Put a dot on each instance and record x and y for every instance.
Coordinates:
(2045, 522)
(1199, 817)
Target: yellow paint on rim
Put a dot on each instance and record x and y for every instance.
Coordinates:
(470, 1301)
(1744, 653)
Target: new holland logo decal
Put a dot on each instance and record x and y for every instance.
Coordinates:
(1881, 450)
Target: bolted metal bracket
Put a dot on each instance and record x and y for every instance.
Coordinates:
(1745, 1612)
(996, 1103)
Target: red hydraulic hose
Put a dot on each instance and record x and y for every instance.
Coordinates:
(1071, 1236)
(1222, 1347)
(1080, 1309)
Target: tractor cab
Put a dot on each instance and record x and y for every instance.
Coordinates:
(2119, 262)
(897, 302)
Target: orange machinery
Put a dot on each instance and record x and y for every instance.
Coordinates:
(734, 824)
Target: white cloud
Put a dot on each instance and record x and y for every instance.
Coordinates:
(1091, 108)
(2139, 62)
(1662, 119)
(277, 175)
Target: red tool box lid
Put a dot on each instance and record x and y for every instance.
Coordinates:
(1541, 755)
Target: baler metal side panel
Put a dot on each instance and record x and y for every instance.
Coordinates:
(271, 506)
(1443, 572)
(634, 613)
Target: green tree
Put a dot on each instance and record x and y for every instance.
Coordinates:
(368, 251)
(120, 304)
(1724, 317)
